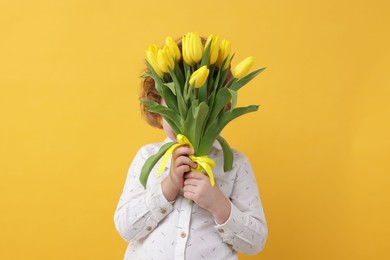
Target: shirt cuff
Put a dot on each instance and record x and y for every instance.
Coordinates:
(157, 204)
(232, 226)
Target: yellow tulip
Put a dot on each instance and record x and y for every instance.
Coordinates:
(165, 59)
(184, 48)
(214, 48)
(153, 48)
(192, 48)
(197, 47)
(242, 69)
(224, 52)
(173, 49)
(151, 57)
(199, 77)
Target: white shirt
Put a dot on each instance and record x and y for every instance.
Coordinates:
(157, 229)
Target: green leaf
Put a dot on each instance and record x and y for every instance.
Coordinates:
(217, 78)
(146, 75)
(190, 95)
(195, 124)
(221, 100)
(225, 72)
(187, 74)
(201, 116)
(234, 98)
(215, 128)
(179, 95)
(202, 92)
(240, 83)
(206, 56)
(237, 112)
(227, 154)
(231, 58)
(223, 77)
(151, 162)
(173, 119)
(165, 93)
(169, 98)
(215, 87)
(210, 81)
(179, 74)
(205, 62)
(155, 76)
(188, 127)
(171, 86)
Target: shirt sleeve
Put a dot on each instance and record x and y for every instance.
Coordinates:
(139, 210)
(246, 228)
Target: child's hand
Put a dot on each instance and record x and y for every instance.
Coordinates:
(197, 187)
(180, 164)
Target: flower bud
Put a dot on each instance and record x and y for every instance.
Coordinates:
(197, 47)
(192, 48)
(185, 50)
(224, 52)
(214, 48)
(242, 69)
(165, 59)
(151, 57)
(173, 48)
(199, 77)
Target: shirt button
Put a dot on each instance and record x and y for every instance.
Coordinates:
(163, 210)
(183, 234)
(221, 230)
(148, 228)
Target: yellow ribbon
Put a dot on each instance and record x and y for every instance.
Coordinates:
(204, 162)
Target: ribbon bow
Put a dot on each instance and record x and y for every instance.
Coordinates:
(204, 162)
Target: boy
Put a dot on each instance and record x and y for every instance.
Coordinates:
(160, 223)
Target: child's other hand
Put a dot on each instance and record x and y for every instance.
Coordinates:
(180, 164)
(197, 187)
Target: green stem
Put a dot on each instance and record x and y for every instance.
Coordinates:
(230, 82)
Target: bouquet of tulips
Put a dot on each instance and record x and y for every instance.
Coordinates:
(200, 96)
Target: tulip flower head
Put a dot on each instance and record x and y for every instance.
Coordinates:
(173, 48)
(192, 48)
(151, 57)
(199, 77)
(214, 48)
(224, 52)
(242, 69)
(165, 59)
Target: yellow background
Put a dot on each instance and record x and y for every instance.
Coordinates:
(70, 123)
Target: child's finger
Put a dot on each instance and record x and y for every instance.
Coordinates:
(191, 163)
(196, 175)
(183, 169)
(184, 160)
(189, 188)
(190, 181)
(189, 193)
(182, 150)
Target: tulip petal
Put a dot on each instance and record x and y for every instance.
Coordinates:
(173, 48)
(242, 69)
